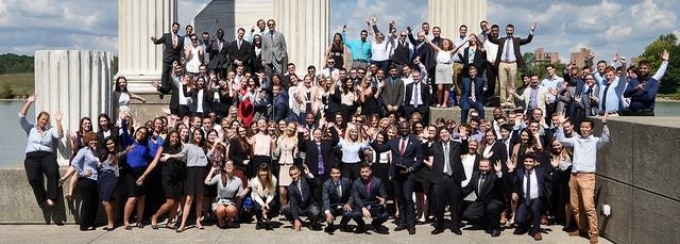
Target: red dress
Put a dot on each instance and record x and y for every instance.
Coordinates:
(246, 109)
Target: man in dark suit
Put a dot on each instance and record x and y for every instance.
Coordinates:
(508, 59)
(488, 186)
(301, 200)
(320, 156)
(219, 55)
(176, 78)
(240, 51)
(530, 184)
(274, 50)
(172, 51)
(473, 94)
(337, 200)
(421, 51)
(447, 175)
(417, 98)
(478, 58)
(369, 197)
(407, 158)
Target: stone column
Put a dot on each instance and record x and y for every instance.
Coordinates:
(78, 83)
(139, 60)
(449, 15)
(305, 24)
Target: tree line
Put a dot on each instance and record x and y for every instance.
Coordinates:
(11, 63)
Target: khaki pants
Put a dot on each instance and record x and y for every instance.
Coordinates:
(582, 190)
(458, 79)
(506, 80)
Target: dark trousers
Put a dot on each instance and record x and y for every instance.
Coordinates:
(165, 77)
(491, 75)
(378, 214)
(37, 164)
(383, 65)
(312, 212)
(523, 209)
(88, 210)
(258, 211)
(422, 110)
(350, 170)
(486, 213)
(403, 190)
(318, 191)
(465, 109)
(346, 215)
(448, 191)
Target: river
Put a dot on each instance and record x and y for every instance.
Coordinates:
(13, 140)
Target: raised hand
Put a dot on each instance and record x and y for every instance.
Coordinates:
(511, 165)
(616, 57)
(623, 59)
(59, 116)
(533, 26)
(32, 98)
(497, 166)
(604, 118)
(665, 55)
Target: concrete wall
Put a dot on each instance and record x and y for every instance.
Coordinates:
(637, 176)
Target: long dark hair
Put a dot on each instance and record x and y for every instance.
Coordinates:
(337, 45)
(104, 154)
(168, 147)
(108, 121)
(117, 88)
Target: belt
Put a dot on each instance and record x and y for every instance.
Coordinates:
(446, 63)
(108, 172)
(458, 62)
(360, 60)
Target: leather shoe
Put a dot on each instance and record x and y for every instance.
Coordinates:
(456, 231)
(537, 236)
(400, 228)
(412, 230)
(495, 233)
(574, 233)
(519, 231)
(437, 231)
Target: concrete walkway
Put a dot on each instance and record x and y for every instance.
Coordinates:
(247, 234)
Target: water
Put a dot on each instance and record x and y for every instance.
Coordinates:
(13, 139)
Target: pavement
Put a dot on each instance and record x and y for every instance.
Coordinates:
(247, 234)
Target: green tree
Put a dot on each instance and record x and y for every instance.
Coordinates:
(6, 91)
(671, 80)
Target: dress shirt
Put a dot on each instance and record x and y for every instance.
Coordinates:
(508, 50)
(585, 149)
(361, 50)
(86, 161)
(533, 183)
(351, 151)
(552, 83)
(35, 141)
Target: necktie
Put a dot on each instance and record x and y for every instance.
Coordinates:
(299, 186)
(337, 187)
(447, 163)
(482, 179)
(508, 40)
(403, 147)
(604, 98)
(416, 94)
(272, 32)
(174, 41)
(368, 188)
(473, 87)
(321, 169)
(528, 192)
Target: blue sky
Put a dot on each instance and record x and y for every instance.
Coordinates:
(605, 26)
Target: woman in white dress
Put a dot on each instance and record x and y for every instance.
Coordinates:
(286, 151)
(194, 55)
(444, 70)
(122, 97)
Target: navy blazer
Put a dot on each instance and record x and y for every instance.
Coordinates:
(413, 156)
(545, 174)
(362, 198)
(479, 90)
(301, 199)
(331, 200)
(170, 54)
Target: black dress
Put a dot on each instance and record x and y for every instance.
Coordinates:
(370, 105)
(337, 54)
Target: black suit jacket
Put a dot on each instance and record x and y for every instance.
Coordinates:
(170, 54)
(299, 200)
(455, 151)
(312, 158)
(499, 153)
(412, 158)
(478, 60)
(424, 94)
(244, 54)
(492, 190)
(331, 200)
(174, 98)
(516, 43)
(218, 57)
(545, 175)
(114, 135)
(362, 198)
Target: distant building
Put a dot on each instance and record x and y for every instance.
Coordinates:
(546, 57)
(580, 57)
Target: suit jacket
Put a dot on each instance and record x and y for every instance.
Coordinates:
(545, 175)
(170, 53)
(541, 99)
(516, 43)
(492, 190)
(273, 50)
(412, 157)
(218, 57)
(499, 152)
(331, 200)
(362, 198)
(424, 94)
(193, 94)
(455, 151)
(244, 54)
(174, 98)
(313, 97)
(312, 158)
(425, 52)
(393, 94)
(478, 60)
(299, 200)
(467, 90)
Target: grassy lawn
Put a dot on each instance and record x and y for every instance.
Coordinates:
(22, 84)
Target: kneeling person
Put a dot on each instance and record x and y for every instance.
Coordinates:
(369, 200)
(337, 199)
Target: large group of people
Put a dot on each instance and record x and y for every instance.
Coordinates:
(245, 138)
